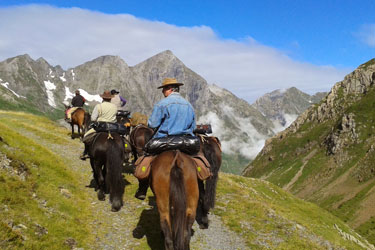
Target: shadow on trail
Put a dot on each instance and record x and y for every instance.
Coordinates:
(149, 226)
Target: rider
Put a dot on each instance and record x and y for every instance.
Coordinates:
(77, 102)
(118, 100)
(103, 112)
(173, 115)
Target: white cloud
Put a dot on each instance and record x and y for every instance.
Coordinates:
(367, 34)
(247, 141)
(72, 36)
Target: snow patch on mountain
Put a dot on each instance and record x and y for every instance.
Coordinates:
(50, 86)
(87, 96)
(62, 78)
(6, 85)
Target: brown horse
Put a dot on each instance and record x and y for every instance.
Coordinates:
(139, 136)
(211, 148)
(79, 118)
(175, 185)
(106, 158)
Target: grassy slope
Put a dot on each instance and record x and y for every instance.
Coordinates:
(342, 184)
(263, 214)
(38, 200)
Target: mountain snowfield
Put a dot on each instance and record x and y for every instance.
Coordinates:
(241, 127)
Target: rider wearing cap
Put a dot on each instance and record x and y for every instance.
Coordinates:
(118, 100)
(173, 115)
(103, 112)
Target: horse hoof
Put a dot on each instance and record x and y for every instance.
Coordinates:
(101, 195)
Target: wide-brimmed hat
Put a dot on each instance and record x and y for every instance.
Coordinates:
(170, 81)
(106, 95)
(113, 91)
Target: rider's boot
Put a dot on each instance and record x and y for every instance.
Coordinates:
(142, 189)
(85, 153)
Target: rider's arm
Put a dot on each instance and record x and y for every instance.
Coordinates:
(95, 114)
(156, 117)
(123, 101)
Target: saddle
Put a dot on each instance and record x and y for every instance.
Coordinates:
(144, 163)
(109, 127)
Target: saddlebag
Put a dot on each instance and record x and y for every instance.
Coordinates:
(109, 127)
(185, 143)
(143, 167)
(203, 167)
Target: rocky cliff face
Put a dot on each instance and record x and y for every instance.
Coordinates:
(327, 154)
(283, 106)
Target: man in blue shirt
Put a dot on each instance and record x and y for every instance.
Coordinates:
(173, 115)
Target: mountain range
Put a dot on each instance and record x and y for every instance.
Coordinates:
(36, 86)
(327, 155)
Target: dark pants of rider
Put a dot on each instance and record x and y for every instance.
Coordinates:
(142, 189)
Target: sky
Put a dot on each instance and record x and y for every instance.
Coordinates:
(247, 47)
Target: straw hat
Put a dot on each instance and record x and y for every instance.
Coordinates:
(106, 95)
(170, 81)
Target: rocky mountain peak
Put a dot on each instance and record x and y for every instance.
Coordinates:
(283, 106)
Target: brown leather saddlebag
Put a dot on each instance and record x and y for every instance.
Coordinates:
(143, 167)
(203, 167)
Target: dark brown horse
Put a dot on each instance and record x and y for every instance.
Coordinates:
(175, 185)
(80, 118)
(211, 148)
(106, 158)
(139, 136)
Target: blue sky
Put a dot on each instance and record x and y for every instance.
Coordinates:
(292, 39)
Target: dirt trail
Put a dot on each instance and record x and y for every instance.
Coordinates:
(136, 225)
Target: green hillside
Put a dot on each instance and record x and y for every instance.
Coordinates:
(45, 204)
(327, 156)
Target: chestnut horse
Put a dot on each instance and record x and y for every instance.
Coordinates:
(79, 118)
(211, 149)
(175, 185)
(106, 158)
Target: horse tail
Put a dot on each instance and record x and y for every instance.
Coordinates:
(114, 178)
(211, 183)
(86, 122)
(177, 203)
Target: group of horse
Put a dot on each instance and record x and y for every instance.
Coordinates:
(181, 198)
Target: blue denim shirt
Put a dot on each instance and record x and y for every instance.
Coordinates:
(173, 115)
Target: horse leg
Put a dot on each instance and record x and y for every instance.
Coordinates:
(161, 191)
(99, 172)
(165, 225)
(192, 197)
(94, 182)
(202, 211)
(72, 130)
